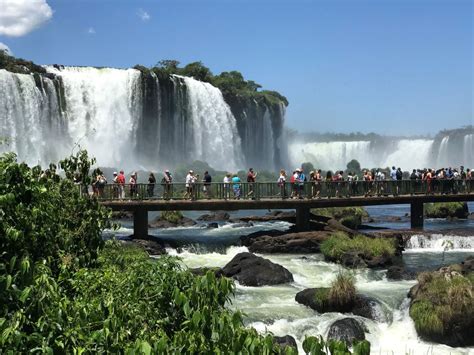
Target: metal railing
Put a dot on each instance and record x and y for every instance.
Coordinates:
(273, 190)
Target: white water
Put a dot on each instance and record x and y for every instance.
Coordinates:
(443, 158)
(102, 108)
(273, 308)
(214, 128)
(25, 111)
(439, 243)
(332, 155)
(409, 154)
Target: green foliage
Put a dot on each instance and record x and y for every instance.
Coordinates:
(446, 209)
(353, 166)
(339, 243)
(318, 346)
(172, 216)
(351, 217)
(340, 296)
(443, 304)
(198, 71)
(18, 65)
(342, 291)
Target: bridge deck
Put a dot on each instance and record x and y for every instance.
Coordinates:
(204, 205)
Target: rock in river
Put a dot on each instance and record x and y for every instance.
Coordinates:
(347, 330)
(252, 270)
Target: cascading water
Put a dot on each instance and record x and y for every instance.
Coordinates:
(409, 154)
(102, 110)
(439, 243)
(213, 127)
(132, 119)
(443, 156)
(29, 116)
(332, 155)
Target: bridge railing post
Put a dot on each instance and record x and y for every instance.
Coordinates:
(416, 215)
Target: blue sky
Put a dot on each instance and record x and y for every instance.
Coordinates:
(388, 66)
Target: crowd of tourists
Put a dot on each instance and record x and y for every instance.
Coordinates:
(298, 184)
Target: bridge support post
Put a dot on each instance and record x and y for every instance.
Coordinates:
(416, 215)
(140, 224)
(302, 219)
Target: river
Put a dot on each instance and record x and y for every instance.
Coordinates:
(274, 309)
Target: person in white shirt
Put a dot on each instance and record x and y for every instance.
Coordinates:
(190, 181)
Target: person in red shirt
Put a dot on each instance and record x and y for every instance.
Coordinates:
(121, 184)
(251, 178)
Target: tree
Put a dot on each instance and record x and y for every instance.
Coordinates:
(307, 167)
(353, 166)
(198, 71)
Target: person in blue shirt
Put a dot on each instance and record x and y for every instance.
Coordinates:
(236, 186)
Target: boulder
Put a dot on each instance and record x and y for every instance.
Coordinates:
(284, 341)
(217, 216)
(213, 225)
(353, 259)
(346, 330)
(398, 272)
(370, 308)
(302, 242)
(252, 270)
(152, 247)
(163, 223)
(364, 306)
(201, 271)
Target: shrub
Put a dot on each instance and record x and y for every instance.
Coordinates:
(443, 306)
(340, 296)
(171, 216)
(351, 217)
(339, 243)
(342, 291)
(446, 209)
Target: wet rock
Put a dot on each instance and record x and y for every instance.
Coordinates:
(289, 216)
(252, 270)
(379, 261)
(353, 260)
(122, 215)
(201, 271)
(242, 225)
(217, 216)
(370, 308)
(284, 341)
(152, 247)
(397, 272)
(213, 225)
(346, 330)
(364, 306)
(302, 242)
(163, 223)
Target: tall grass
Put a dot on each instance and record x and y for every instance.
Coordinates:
(339, 243)
(340, 296)
(443, 304)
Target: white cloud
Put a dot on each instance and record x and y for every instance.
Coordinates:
(145, 16)
(4, 47)
(19, 17)
(91, 31)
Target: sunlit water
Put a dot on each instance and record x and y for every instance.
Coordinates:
(274, 309)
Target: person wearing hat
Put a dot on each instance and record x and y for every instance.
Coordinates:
(133, 185)
(190, 180)
(166, 182)
(115, 189)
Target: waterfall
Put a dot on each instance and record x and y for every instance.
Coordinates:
(102, 109)
(442, 159)
(410, 154)
(28, 116)
(438, 242)
(332, 155)
(214, 129)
